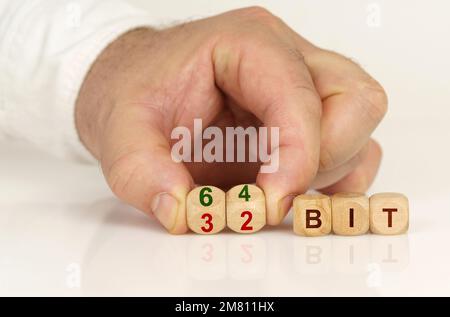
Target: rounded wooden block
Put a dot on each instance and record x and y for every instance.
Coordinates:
(389, 213)
(350, 214)
(246, 208)
(312, 215)
(205, 210)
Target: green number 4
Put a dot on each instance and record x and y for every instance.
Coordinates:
(244, 193)
(206, 199)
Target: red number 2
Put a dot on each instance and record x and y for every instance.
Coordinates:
(245, 226)
(209, 225)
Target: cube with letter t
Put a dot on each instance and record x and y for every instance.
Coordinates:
(389, 213)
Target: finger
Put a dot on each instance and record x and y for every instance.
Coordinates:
(360, 179)
(271, 81)
(327, 178)
(353, 105)
(138, 166)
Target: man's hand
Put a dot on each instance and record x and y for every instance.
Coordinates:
(241, 68)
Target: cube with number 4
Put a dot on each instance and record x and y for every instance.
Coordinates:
(206, 210)
(246, 209)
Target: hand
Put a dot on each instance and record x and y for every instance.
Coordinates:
(241, 68)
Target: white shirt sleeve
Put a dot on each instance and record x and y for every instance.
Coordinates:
(46, 49)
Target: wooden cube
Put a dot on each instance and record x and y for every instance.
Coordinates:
(350, 214)
(205, 208)
(246, 208)
(389, 213)
(312, 215)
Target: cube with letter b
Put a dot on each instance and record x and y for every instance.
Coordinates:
(205, 208)
(246, 208)
(312, 215)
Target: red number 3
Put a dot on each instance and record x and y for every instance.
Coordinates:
(208, 223)
(245, 226)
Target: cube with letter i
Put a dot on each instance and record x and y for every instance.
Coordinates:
(205, 207)
(246, 208)
(389, 213)
(312, 215)
(350, 214)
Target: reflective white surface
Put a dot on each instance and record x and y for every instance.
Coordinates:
(62, 232)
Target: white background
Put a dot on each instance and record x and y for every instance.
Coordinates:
(62, 232)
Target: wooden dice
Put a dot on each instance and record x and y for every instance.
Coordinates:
(205, 207)
(243, 210)
(246, 208)
(312, 215)
(389, 213)
(350, 214)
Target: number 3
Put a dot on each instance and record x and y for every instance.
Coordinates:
(209, 225)
(245, 226)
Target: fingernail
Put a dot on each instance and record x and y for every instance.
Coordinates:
(284, 206)
(165, 208)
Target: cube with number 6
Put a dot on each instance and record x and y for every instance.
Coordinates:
(206, 210)
(246, 209)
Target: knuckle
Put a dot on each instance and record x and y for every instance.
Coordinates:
(311, 97)
(260, 15)
(256, 11)
(376, 100)
(296, 54)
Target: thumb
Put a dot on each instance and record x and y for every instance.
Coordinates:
(137, 164)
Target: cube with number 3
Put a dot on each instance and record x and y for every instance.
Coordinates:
(246, 209)
(206, 210)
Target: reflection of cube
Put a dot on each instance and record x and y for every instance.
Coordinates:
(247, 258)
(390, 253)
(312, 256)
(205, 207)
(246, 208)
(351, 256)
(350, 214)
(206, 258)
(389, 213)
(312, 215)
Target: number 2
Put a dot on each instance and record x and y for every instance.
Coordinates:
(245, 226)
(208, 223)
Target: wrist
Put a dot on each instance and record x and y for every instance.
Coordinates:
(101, 87)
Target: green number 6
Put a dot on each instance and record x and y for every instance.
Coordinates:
(206, 199)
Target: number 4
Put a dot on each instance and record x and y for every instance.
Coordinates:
(244, 193)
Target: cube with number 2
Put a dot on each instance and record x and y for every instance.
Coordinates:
(205, 207)
(246, 208)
